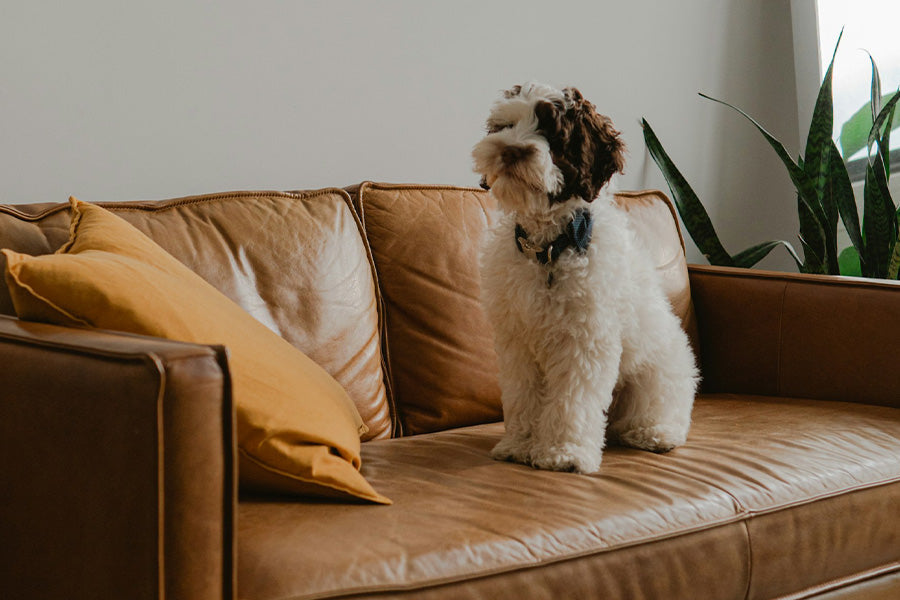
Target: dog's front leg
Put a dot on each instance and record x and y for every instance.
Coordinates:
(579, 381)
(521, 386)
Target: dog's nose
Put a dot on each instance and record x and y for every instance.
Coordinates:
(484, 184)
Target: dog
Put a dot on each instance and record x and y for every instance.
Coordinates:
(577, 308)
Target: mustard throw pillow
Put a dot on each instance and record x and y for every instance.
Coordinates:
(298, 431)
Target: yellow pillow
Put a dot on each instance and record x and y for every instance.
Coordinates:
(298, 431)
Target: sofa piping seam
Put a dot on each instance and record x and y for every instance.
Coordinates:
(160, 367)
(425, 187)
(887, 481)
(794, 278)
(387, 588)
(746, 524)
(843, 582)
(135, 206)
(98, 352)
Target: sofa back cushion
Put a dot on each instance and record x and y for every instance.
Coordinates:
(441, 361)
(425, 243)
(297, 262)
(653, 218)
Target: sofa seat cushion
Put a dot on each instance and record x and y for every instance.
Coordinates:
(770, 496)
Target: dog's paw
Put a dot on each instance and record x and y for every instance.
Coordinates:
(513, 449)
(657, 438)
(567, 459)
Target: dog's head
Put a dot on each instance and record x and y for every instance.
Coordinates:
(546, 146)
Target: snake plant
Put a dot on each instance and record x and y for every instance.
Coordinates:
(824, 195)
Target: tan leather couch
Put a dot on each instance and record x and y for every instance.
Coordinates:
(117, 468)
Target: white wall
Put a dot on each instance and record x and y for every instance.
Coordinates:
(807, 60)
(120, 100)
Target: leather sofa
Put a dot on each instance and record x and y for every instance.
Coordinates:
(117, 456)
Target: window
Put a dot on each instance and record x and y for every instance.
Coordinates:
(869, 25)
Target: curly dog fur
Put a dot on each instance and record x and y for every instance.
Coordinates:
(576, 305)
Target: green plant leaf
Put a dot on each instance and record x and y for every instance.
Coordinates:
(818, 143)
(849, 261)
(813, 238)
(696, 219)
(884, 145)
(829, 201)
(817, 166)
(894, 264)
(749, 257)
(875, 96)
(805, 186)
(812, 263)
(878, 224)
(880, 171)
(830, 206)
(886, 111)
(855, 131)
(841, 191)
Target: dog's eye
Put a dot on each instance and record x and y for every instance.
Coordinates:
(495, 127)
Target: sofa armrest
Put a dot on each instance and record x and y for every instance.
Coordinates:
(795, 335)
(117, 468)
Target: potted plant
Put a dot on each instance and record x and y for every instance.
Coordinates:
(824, 194)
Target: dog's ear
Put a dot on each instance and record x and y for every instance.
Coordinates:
(550, 117)
(593, 150)
(609, 155)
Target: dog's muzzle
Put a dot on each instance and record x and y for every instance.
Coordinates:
(484, 184)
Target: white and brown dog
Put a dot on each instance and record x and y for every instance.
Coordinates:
(577, 308)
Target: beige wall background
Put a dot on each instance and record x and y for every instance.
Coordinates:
(121, 100)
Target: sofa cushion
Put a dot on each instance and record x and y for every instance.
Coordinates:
(653, 219)
(425, 241)
(297, 430)
(770, 497)
(296, 261)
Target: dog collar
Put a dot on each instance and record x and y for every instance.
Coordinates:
(577, 235)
